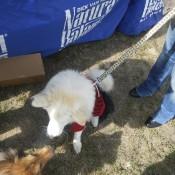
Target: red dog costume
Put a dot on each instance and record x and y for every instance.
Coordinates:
(99, 109)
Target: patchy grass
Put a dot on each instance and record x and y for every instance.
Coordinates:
(121, 145)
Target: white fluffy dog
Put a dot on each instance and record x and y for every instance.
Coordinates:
(69, 98)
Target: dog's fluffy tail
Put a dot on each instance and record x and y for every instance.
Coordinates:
(107, 84)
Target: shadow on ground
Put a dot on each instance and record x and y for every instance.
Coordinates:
(133, 111)
(166, 167)
(30, 121)
(98, 151)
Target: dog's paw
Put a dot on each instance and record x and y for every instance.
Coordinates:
(95, 121)
(77, 146)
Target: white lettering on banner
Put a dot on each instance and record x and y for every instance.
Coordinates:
(81, 20)
(152, 7)
(3, 48)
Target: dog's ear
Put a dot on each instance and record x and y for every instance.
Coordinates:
(39, 100)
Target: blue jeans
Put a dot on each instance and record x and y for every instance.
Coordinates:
(161, 70)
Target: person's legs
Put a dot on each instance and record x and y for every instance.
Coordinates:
(161, 69)
(166, 111)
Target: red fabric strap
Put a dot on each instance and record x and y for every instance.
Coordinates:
(99, 106)
(75, 127)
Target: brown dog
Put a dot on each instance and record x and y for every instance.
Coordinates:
(32, 164)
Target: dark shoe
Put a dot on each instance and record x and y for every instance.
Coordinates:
(133, 93)
(152, 124)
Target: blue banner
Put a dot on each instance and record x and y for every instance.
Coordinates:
(141, 15)
(48, 26)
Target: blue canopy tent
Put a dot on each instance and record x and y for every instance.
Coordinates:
(47, 26)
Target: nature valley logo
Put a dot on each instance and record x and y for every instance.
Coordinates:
(3, 48)
(152, 7)
(81, 20)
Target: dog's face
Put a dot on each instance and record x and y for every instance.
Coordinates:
(59, 115)
(32, 164)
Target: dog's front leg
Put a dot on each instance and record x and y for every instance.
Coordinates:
(77, 142)
(95, 121)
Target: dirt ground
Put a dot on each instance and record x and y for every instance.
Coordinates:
(122, 145)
